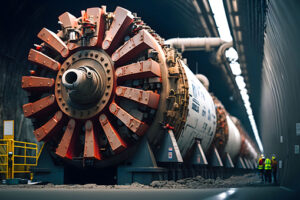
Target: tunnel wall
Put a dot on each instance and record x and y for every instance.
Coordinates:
(280, 105)
(15, 43)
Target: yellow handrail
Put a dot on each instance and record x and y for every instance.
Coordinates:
(40, 152)
(17, 162)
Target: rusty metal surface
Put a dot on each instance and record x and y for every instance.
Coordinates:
(91, 144)
(147, 98)
(34, 83)
(96, 15)
(222, 131)
(101, 63)
(88, 30)
(139, 84)
(147, 68)
(66, 147)
(49, 129)
(121, 22)
(68, 20)
(54, 41)
(116, 142)
(134, 46)
(41, 106)
(132, 123)
(43, 60)
(72, 46)
(178, 94)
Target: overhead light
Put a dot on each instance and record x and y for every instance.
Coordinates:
(198, 10)
(234, 5)
(239, 33)
(206, 6)
(232, 55)
(218, 10)
(240, 82)
(245, 97)
(237, 21)
(249, 111)
(247, 104)
(243, 91)
(248, 107)
(236, 68)
(251, 117)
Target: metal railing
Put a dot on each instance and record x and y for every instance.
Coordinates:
(4, 157)
(17, 157)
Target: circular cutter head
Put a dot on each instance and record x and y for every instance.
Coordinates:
(97, 84)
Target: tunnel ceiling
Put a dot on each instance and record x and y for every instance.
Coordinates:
(252, 19)
(24, 19)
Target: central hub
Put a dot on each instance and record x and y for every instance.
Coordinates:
(84, 83)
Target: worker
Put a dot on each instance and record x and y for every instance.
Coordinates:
(268, 170)
(261, 166)
(274, 169)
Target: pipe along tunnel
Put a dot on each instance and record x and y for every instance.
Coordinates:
(109, 94)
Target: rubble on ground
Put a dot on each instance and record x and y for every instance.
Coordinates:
(197, 182)
(200, 182)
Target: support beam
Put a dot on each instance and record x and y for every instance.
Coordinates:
(198, 157)
(246, 163)
(169, 150)
(240, 163)
(228, 161)
(216, 159)
(142, 168)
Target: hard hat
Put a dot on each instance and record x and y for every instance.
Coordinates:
(263, 157)
(273, 157)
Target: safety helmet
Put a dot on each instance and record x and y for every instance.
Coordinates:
(273, 157)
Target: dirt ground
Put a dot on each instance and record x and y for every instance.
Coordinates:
(197, 182)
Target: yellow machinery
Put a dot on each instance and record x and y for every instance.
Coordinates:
(16, 157)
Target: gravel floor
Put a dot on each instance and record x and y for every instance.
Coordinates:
(250, 179)
(200, 182)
